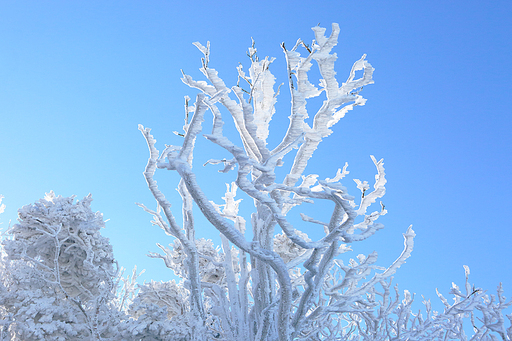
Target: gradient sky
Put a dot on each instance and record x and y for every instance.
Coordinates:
(76, 78)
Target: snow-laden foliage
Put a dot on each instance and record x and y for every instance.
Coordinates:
(63, 242)
(276, 282)
(271, 278)
(58, 274)
(159, 312)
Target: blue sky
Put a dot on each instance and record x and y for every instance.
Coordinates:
(77, 77)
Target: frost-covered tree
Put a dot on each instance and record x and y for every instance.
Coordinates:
(58, 274)
(275, 282)
(271, 278)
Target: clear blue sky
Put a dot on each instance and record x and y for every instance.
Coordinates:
(77, 77)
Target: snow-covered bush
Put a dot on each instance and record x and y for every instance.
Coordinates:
(62, 241)
(162, 294)
(210, 263)
(159, 312)
(58, 273)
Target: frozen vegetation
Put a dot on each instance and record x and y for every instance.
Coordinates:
(269, 280)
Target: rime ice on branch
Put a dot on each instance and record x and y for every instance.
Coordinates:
(57, 274)
(279, 284)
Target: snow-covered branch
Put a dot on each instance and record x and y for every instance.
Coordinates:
(263, 301)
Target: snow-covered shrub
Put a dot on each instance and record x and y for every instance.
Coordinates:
(154, 325)
(287, 249)
(210, 267)
(58, 273)
(163, 294)
(160, 311)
